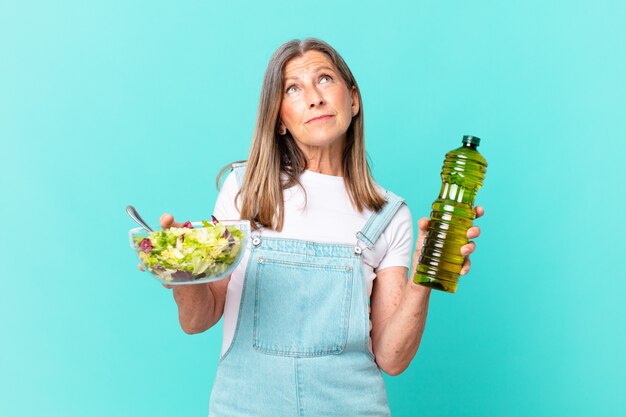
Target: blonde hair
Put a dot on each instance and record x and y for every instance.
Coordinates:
(272, 155)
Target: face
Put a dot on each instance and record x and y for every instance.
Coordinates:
(317, 106)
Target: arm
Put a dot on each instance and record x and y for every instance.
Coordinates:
(200, 306)
(399, 308)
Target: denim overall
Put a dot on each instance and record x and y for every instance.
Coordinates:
(301, 345)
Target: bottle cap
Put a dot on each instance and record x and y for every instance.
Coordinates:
(471, 140)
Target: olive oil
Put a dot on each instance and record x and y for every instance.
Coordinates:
(452, 214)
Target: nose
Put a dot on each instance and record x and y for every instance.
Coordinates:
(315, 98)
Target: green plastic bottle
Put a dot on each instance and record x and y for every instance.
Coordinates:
(462, 175)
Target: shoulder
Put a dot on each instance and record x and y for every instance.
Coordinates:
(225, 207)
(239, 168)
(400, 226)
(387, 194)
(234, 172)
(230, 184)
(395, 211)
(397, 238)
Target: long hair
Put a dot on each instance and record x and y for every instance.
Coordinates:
(272, 156)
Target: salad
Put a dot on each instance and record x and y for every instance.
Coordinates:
(187, 253)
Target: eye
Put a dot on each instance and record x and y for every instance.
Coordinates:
(324, 78)
(291, 89)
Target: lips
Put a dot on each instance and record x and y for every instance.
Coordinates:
(320, 117)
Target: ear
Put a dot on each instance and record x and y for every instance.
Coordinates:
(282, 129)
(356, 104)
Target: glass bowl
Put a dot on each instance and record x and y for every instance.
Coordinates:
(183, 256)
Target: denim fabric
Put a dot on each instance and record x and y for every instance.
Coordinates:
(376, 224)
(301, 345)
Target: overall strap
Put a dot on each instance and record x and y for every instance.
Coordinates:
(239, 168)
(378, 221)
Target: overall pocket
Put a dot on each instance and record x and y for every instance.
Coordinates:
(301, 309)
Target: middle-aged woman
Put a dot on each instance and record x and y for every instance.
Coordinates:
(320, 303)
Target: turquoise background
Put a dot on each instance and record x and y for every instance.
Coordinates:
(104, 104)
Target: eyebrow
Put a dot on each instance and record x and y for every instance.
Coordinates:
(318, 69)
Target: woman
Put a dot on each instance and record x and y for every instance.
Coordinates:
(299, 338)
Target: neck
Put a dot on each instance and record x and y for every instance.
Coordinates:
(326, 160)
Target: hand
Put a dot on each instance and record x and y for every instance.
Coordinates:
(167, 221)
(472, 233)
(466, 250)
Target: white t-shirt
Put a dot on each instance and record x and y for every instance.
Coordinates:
(327, 217)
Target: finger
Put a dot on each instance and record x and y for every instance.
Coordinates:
(473, 232)
(466, 266)
(422, 224)
(141, 268)
(422, 228)
(167, 221)
(479, 210)
(468, 249)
